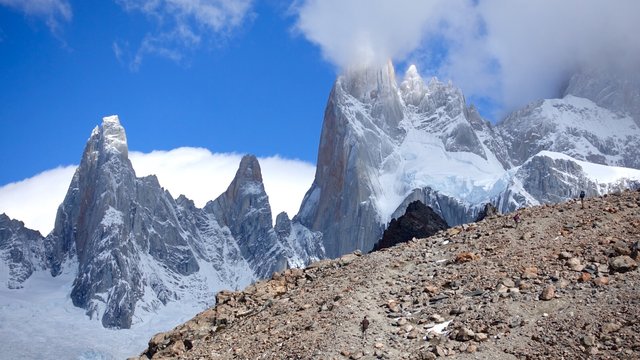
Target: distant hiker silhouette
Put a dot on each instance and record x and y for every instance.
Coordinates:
(516, 219)
(582, 195)
(364, 325)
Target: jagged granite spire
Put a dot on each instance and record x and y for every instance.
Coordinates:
(244, 208)
(115, 225)
(376, 143)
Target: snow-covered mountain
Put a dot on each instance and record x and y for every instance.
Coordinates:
(136, 249)
(385, 145)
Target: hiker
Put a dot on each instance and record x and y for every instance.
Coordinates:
(516, 219)
(364, 325)
(582, 194)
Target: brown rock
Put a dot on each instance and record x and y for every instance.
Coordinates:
(466, 257)
(548, 293)
(610, 328)
(530, 272)
(584, 277)
(564, 255)
(432, 289)
(588, 340)
(575, 264)
(465, 334)
(601, 281)
(507, 282)
(622, 263)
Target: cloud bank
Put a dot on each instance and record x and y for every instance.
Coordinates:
(195, 172)
(182, 25)
(510, 52)
(52, 11)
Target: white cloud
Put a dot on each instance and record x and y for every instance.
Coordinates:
(181, 25)
(195, 172)
(510, 52)
(52, 11)
(35, 200)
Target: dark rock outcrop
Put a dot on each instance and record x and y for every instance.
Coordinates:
(488, 211)
(419, 221)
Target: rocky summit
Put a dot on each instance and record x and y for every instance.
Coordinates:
(562, 284)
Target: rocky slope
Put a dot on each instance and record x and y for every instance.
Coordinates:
(562, 284)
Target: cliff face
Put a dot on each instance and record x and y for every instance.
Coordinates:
(21, 252)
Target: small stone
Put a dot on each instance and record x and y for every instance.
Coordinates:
(479, 337)
(530, 272)
(507, 282)
(437, 318)
(584, 277)
(431, 289)
(610, 328)
(621, 248)
(501, 288)
(378, 345)
(548, 293)
(472, 348)
(465, 334)
(574, 264)
(622, 263)
(564, 255)
(601, 281)
(407, 328)
(563, 283)
(413, 334)
(466, 257)
(588, 340)
(440, 351)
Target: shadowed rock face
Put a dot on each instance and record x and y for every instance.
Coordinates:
(419, 221)
(244, 208)
(21, 251)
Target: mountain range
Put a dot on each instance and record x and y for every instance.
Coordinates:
(385, 143)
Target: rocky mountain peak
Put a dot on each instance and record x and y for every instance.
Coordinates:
(413, 89)
(368, 83)
(615, 92)
(114, 138)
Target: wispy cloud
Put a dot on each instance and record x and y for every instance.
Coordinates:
(183, 25)
(195, 172)
(509, 52)
(53, 12)
(35, 200)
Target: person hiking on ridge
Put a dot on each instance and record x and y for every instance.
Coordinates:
(516, 219)
(364, 325)
(582, 195)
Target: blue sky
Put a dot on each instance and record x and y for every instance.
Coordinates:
(260, 89)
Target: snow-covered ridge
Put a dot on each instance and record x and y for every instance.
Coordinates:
(601, 174)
